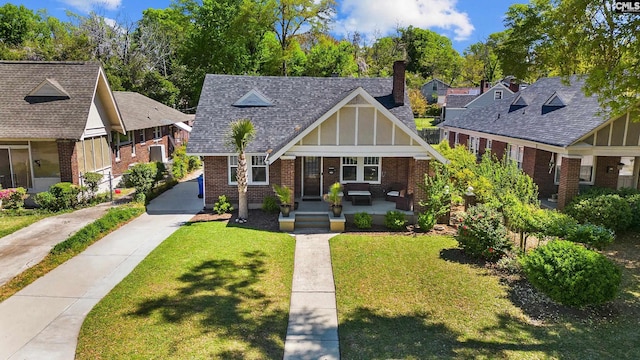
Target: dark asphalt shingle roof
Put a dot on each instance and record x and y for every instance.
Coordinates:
(140, 112)
(560, 127)
(298, 102)
(459, 101)
(34, 118)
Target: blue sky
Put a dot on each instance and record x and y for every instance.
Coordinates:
(463, 21)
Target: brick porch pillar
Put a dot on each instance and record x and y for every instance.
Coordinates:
(420, 169)
(288, 172)
(569, 180)
(68, 159)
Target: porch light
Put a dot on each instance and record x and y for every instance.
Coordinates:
(620, 166)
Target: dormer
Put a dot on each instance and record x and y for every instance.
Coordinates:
(518, 103)
(47, 90)
(254, 98)
(555, 102)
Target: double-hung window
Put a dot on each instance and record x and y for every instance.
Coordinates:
(516, 154)
(497, 95)
(120, 140)
(257, 170)
(157, 132)
(488, 145)
(360, 169)
(474, 145)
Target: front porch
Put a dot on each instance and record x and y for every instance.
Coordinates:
(378, 206)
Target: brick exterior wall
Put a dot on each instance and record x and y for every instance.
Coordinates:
(452, 139)
(420, 167)
(482, 147)
(216, 173)
(498, 148)
(463, 139)
(287, 174)
(604, 178)
(142, 150)
(569, 181)
(68, 159)
(541, 175)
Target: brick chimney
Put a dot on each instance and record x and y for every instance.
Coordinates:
(514, 86)
(399, 68)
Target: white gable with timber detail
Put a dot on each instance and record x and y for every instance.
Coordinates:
(358, 125)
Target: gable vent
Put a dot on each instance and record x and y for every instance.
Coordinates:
(253, 98)
(518, 103)
(555, 102)
(50, 90)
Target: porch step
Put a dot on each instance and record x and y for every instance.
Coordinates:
(312, 221)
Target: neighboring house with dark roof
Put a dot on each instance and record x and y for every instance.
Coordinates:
(456, 104)
(59, 120)
(310, 133)
(557, 135)
(153, 131)
(434, 91)
(55, 121)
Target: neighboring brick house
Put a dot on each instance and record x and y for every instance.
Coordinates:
(310, 133)
(557, 135)
(153, 131)
(55, 121)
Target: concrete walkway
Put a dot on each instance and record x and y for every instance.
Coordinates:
(43, 320)
(28, 246)
(313, 318)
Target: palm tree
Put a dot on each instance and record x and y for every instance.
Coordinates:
(241, 134)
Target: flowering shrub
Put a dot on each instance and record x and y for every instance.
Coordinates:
(13, 198)
(482, 233)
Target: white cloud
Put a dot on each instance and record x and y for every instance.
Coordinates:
(383, 17)
(89, 5)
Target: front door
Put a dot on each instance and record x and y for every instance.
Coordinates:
(311, 176)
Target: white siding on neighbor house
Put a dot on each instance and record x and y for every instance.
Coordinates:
(487, 98)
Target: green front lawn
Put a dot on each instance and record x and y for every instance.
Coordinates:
(424, 123)
(415, 298)
(12, 221)
(207, 292)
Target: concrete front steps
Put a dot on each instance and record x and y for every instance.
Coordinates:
(312, 221)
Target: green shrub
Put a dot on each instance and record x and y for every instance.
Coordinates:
(13, 198)
(482, 233)
(223, 205)
(436, 187)
(193, 163)
(111, 220)
(270, 205)
(556, 224)
(141, 177)
(572, 275)
(609, 210)
(61, 196)
(593, 235)
(426, 220)
(140, 198)
(179, 168)
(158, 169)
(395, 220)
(362, 220)
(91, 181)
(634, 204)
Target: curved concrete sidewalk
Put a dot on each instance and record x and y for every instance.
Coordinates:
(313, 317)
(43, 320)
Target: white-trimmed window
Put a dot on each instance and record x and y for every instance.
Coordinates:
(456, 139)
(120, 140)
(586, 169)
(141, 139)
(257, 170)
(474, 144)
(360, 169)
(488, 145)
(132, 135)
(497, 95)
(516, 154)
(157, 132)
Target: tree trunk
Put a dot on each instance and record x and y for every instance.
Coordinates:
(243, 209)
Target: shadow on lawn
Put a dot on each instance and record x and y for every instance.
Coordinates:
(365, 334)
(223, 296)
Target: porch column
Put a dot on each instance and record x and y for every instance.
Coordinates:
(569, 180)
(420, 170)
(288, 172)
(68, 159)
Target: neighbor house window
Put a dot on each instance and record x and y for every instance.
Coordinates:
(141, 134)
(488, 145)
(132, 135)
(497, 95)
(456, 139)
(586, 169)
(365, 169)
(120, 140)
(257, 170)
(474, 145)
(157, 132)
(516, 154)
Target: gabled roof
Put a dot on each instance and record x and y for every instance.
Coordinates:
(561, 127)
(140, 112)
(297, 103)
(49, 88)
(45, 117)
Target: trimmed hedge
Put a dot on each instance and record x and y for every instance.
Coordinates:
(609, 210)
(571, 274)
(97, 229)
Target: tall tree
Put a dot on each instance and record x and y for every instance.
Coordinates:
(241, 132)
(480, 61)
(329, 57)
(294, 16)
(431, 54)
